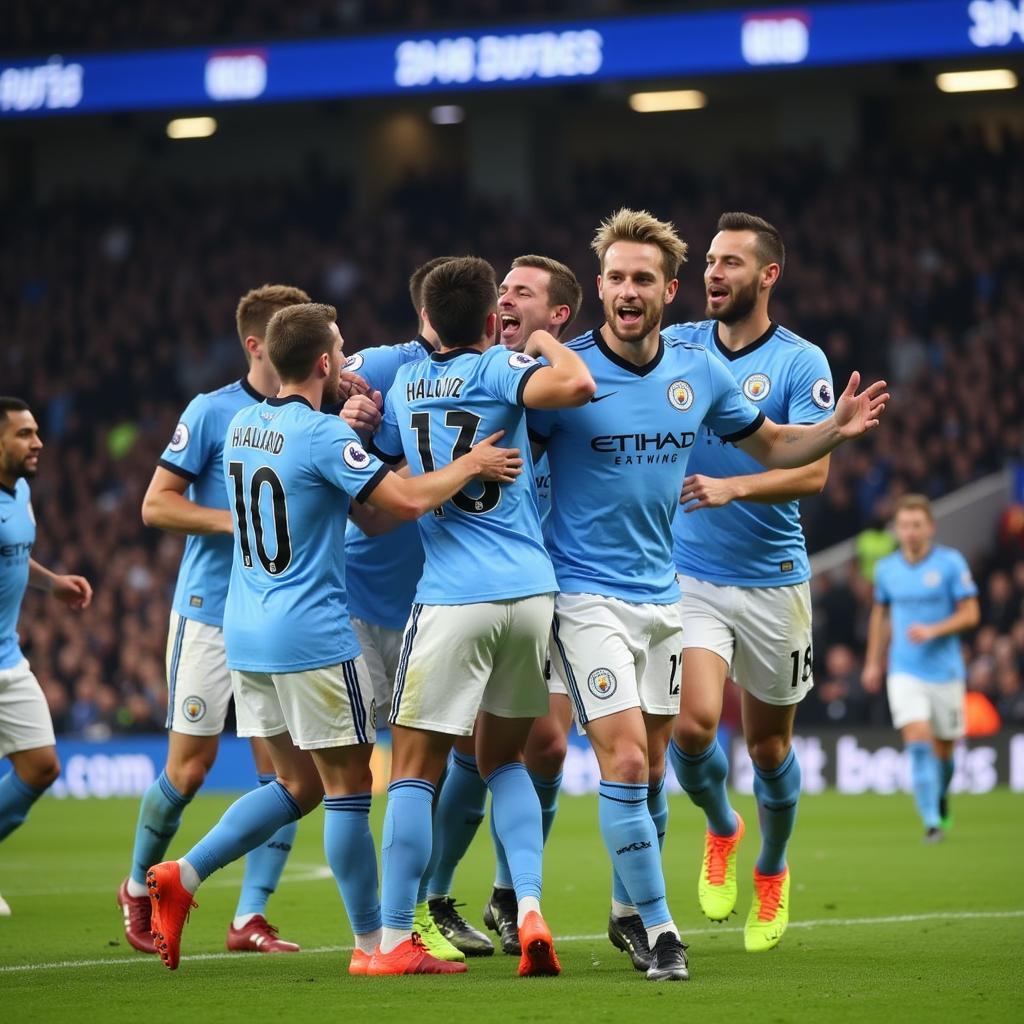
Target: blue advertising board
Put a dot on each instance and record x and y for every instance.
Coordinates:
(630, 48)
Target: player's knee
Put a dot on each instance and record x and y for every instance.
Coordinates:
(547, 757)
(188, 776)
(694, 732)
(43, 772)
(628, 763)
(768, 752)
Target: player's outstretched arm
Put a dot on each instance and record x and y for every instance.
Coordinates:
(74, 591)
(772, 487)
(565, 382)
(878, 644)
(166, 507)
(784, 446)
(412, 497)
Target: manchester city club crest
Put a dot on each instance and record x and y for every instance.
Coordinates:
(193, 708)
(757, 386)
(602, 683)
(680, 395)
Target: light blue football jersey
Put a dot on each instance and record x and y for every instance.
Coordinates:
(745, 544)
(542, 485)
(194, 452)
(485, 544)
(925, 592)
(17, 535)
(290, 471)
(382, 572)
(618, 464)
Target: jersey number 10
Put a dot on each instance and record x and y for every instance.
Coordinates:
(264, 476)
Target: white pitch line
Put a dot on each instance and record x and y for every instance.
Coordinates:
(847, 922)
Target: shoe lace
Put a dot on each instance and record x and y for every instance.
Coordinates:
(718, 850)
(769, 893)
(446, 915)
(417, 941)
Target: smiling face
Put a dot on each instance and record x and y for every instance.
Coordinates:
(734, 278)
(633, 290)
(19, 445)
(524, 306)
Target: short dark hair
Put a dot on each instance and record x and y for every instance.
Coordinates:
(418, 276)
(297, 336)
(769, 245)
(563, 288)
(10, 404)
(458, 295)
(258, 305)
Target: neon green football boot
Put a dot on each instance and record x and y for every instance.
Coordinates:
(769, 913)
(716, 888)
(436, 944)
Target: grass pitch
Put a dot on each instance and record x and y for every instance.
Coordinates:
(882, 927)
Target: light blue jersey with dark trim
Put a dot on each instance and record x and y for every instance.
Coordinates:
(924, 592)
(746, 544)
(17, 535)
(290, 471)
(194, 453)
(618, 464)
(485, 543)
(382, 572)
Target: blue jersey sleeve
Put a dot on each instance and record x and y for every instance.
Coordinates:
(387, 442)
(377, 366)
(504, 374)
(959, 579)
(811, 392)
(731, 415)
(193, 443)
(337, 454)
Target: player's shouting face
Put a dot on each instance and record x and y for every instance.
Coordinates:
(19, 445)
(734, 277)
(524, 306)
(633, 290)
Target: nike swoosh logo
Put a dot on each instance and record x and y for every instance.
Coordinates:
(601, 398)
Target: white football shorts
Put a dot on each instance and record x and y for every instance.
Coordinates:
(198, 681)
(25, 722)
(382, 648)
(912, 699)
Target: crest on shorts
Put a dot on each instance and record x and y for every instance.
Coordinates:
(680, 396)
(355, 455)
(193, 708)
(821, 394)
(179, 439)
(757, 386)
(602, 683)
(520, 360)
(353, 363)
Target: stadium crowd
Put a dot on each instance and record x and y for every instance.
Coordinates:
(123, 309)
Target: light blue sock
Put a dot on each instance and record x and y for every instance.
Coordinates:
(778, 794)
(515, 809)
(353, 859)
(946, 769)
(924, 780)
(159, 818)
(405, 849)
(657, 804)
(703, 777)
(632, 842)
(263, 866)
(251, 820)
(547, 794)
(16, 797)
(457, 816)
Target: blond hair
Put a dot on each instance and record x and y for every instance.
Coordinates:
(915, 503)
(257, 306)
(563, 288)
(641, 226)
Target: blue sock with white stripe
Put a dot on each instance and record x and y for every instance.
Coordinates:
(515, 810)
(159, 818)
(703, 777)
(405, 849)
(778, 794)
(657, 805)
(457, 816)
(353, 859)
(631, 838)
(924, 781)
(547, 794)
(263, 866)
(16, 797)
(251, 820)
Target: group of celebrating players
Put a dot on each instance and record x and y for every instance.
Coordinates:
(524, 548)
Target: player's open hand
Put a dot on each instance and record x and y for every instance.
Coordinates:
(706, 492)
(856, 414)
(920, 633)
(74, 591)
(871, 678)
(351, 384)
(363, 413)
(501, 465)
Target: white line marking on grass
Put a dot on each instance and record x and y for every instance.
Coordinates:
(851, 922)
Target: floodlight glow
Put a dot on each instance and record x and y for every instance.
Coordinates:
(674, 99)
(191, 127)
(976, 81)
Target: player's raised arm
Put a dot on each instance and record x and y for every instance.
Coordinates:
(412, 497)
(781, 446)
(565, 382)
(166, 507)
